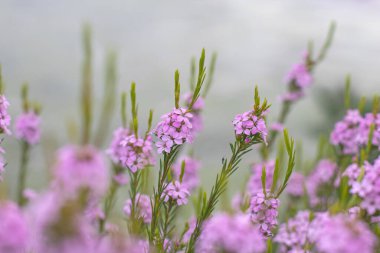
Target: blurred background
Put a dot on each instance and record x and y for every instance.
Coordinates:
(257, 43)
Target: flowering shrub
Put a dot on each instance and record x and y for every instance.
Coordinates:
(330, 204)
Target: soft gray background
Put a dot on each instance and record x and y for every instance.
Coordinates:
(257, 42)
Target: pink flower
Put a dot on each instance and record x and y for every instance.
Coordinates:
(368, 187)
(13, 229)
(28, 128)
(295, 186)
(175, 128)
(254, 184)
(322, 175)
(293, 236)
(5, 118)
(121, 179)
(80, 167)
(249, 125)
(176, 192)
(292, 96)
(59, 225)
(187, 235)
(350, 133)
(190, 178)
(341, 234)
(233, 234)
(197, 106)
(278, 127)
(130, 151)
(300, 75)
(143, 208)
(354, 212)
(264, 212)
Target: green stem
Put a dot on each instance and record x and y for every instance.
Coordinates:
(161, 185)
(86, 92)
(238, 150)
(108, 100)
(23, 173)
(109, 203)
(168, 218)
(266, 149)
(134, 189)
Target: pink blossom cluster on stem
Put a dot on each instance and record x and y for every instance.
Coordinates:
(322, 175)
(14, 233)
(175, 128)
(365, 182)
(249, 125)
(230, 233)
(176, 192)
(264, 212)
(353, 131)
(254, 185)
(142, 208)
(190, 179)
(80, 167)
(130, 151)
(298, 79)
(5, 121)
(5, 118)
(28, 127)
(325, 233)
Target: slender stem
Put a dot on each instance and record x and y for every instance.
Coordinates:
(219, 187)
(108, 99)
(134, 189)
(23, 173)
(157, 200)
(168, 218)
(108, 204)
(86, 89)
(281, 119)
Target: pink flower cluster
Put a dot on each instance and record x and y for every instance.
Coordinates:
(59, 225)
(254, 184)
(175, 128)
(13, 229)
(293, 236)
(353, 131)
(5, 118)
(325, 233)
(5, 121)
(322, 175)
(28, 127)
(143, 208)
(367, 187)
(80, 168)
(299, 78)
(341, 234)
(175, 191)
(296, 185)
(233, 234)
(130, 151)
(249, 125)
(264, 212)
(190, 178)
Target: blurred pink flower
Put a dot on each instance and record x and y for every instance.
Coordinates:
(28, 127)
